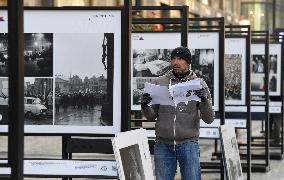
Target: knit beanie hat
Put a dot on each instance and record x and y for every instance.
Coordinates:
(182, 52)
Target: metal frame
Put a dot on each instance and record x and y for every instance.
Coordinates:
(181, 29)
(220, 28)
(262, 37)
(16, 79)
(234, 32)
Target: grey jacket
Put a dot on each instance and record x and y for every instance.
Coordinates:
(179, 124)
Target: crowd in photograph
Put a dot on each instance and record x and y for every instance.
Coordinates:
(78, 100)
(233, 76)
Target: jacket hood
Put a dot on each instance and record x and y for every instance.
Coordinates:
(191, 75)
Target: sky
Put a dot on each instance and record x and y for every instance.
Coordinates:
(78, 54)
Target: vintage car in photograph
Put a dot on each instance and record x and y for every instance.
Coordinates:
(34, 107)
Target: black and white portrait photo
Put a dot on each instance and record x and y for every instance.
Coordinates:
(273, 64)
(3, 55)
(233, 76)
(38, 101)
(151, 62)
(273, 82)
(138, 86)
(84, 79)
(203, 66)
(132, 163)
(258, 63)
(4, 101)
(257, 82)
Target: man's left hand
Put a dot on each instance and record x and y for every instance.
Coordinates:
(202, 94)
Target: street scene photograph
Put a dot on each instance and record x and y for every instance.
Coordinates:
(81, 80)
(38, 55)
(203, 66)
(38, 101)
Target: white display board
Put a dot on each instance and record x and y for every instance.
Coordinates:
(257, 77)
(235, 71)
(150, 58)
(204, 47)
(72, 71)
(132, 155)
(230, 152)
(63, 168)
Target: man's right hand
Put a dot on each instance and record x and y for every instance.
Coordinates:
(146, 99)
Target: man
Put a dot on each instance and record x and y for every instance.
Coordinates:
(177, 128)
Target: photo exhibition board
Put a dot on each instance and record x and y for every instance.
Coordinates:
(275, 69)
(204, 48)
(230, 152)
(132, 155)
(72, 66)
(235, 71)
(150, 58)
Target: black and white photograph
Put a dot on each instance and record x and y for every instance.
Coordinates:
(38, 101)
(233, 76)
(273, 64)
(151, 62)
(138, 86)
(132, 163)
(258, 63)
(257, 82)
(230, 152)
(132, 155)
(38, 55)
(272, 82)
(3, 55)
(84, 79)
(203, 66)
(4, 101)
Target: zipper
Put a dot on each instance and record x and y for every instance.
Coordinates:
(174, 119)
(175, 130)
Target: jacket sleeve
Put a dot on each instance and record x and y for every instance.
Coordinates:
(151, 112)
(206, 111)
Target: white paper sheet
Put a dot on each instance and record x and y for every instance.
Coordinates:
(159, 94)
(185, 91)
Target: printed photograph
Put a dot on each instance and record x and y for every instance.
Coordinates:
(3, 55)
(138, 85)
(273, 64)
(203, 66)
(257, 82)
(233, 76)
(38, 101)
(84, 79)
(4, 101)
(258, 63)
(132, 163)
(273, 83)
(38, 54)
(151, 62)
(234, 166)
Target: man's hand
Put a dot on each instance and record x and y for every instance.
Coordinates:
(202, 94)
(146, 99)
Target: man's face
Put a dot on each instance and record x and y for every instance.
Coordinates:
(179, 65)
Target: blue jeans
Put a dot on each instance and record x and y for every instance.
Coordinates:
(166, 157)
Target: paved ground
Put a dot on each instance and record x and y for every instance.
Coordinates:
(50, 147)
